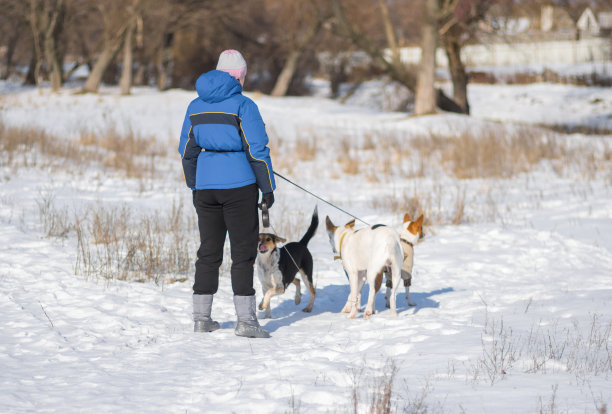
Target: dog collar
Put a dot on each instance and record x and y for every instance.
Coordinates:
(339, 256)
(409, 243)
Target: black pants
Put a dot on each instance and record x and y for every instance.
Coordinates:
(232, 211)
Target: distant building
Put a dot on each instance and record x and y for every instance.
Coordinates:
(595, 23)
(506, 22)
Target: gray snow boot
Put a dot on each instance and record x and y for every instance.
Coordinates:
(202, 305)
(247, 320)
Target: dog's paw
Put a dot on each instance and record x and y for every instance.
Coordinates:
(298, 299)
(346, 309)
(411, 304)
(307, 309)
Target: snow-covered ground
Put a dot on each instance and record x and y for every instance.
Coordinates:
(512, 307)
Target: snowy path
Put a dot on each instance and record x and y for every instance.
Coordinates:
(128, 347)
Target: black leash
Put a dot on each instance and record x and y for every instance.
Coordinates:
(323, 200)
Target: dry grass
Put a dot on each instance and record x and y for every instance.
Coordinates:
(494, 151)
(114, 244)
(306, 148)
(433, 205)
(129, 154)
(375, 391)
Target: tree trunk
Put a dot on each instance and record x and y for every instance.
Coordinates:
(389, 32)
(52, 32)
(164, 62)
(111, 47)
(284, 79)
(425, 97)
(128, 60)
(36, 35)
(55, 66)
(10, 53)
(337, 74)
(30, 78)
(286, 76)
(458, 74)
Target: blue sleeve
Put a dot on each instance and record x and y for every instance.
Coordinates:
(184, 134)
(254, 142)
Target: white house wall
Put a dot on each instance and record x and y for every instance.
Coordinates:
(503, 54)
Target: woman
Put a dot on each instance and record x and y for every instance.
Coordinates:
(226, 162)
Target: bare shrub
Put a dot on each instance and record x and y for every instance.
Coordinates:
(109, 225)
(295, 403)
(375, 391)
(378, 389)
(55, 222)
(112, 243)
(577, 349)
(499, 349)
(582, 351)
(458, 216)
(551, 406)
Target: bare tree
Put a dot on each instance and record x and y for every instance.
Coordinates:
(299, 24)
(425, 98)
(13, 20)
(458, 27)
(125, 83)
(116, 19)
(46, 20)
(393, 67)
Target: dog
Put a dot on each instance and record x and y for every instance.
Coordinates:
(278, 266)
(372, 249)
(411, 232)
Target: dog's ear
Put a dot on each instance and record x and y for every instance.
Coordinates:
(420, 220)
(350, 224)
(279, 239)
(406, 218)
(329, 225)
(416, 227)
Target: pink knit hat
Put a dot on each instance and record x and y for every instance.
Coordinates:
(232, 62)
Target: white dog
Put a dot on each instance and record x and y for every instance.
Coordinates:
(372, 249)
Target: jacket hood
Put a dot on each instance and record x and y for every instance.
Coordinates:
(216, 86)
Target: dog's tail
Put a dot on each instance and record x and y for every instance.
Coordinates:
(312, 229)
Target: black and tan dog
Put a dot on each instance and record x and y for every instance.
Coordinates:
(278, 266)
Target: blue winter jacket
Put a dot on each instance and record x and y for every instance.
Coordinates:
(223, 141)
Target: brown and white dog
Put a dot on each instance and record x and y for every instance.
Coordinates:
(278, 266)
(411, 232)
(372, 249)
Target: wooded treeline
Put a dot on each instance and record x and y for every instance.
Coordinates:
(169, 43)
